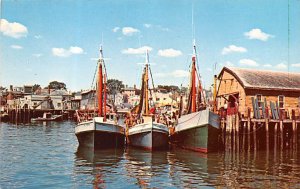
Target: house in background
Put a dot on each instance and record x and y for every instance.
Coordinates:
(88, 99)
(237, 87)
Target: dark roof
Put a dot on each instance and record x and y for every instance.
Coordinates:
(265, 79)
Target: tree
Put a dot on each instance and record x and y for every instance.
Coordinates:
(114, 86)
(169, 88)
(56, 85)
(35, 87)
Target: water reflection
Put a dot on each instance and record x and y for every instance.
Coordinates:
(98, 165)
(184, 169)
(38, 156)
(146, 167)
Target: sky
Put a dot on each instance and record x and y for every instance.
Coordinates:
(43, 41)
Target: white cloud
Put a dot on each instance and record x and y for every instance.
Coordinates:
(13, 29)
(175, 73)
(281, 66)
(180, 73)
(169, 53)
(267, 65)
(129, 31)
(140, 50)
(147, 25)
(37, 55)
(232, 49)
(257, 34)
(116, 29)
(16, 47)
(76, 50)
(61, 52)
(296, 65)
(248, 62)
(38, 36)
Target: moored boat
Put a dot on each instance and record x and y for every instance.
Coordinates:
(47, 116)
(97, 129)
(147, 133)
(198, 129)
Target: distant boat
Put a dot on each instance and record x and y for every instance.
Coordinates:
(47, 116)
(147, 134)
(198, 129)
(95, 128)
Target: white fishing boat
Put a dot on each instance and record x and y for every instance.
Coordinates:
(197, 129)
(96, 128)
(47, 116)
(147, 133)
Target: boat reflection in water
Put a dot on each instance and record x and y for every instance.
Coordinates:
(261, 169)
(190, 169)
(147, 169)
(98, 167)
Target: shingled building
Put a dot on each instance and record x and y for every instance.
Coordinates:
(237, 87)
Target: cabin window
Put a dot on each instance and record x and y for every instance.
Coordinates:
(259, 99)
(281, 101)
(165, 98)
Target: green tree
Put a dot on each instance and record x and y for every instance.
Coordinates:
(114, 86)
(35, 87)
(169, 88)
(57, 85)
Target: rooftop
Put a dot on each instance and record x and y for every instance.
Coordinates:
(265, 79)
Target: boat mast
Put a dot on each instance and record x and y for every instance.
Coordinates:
(146, 78)
(193, 79)
(100, 84)
(105, 97)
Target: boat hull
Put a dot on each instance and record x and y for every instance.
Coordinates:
(198, 131)
(150, 136)
(100, 135)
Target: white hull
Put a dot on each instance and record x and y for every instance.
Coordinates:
(197, 119)
(99, 135)
(146, 127)
(150, 135)
(97, 124)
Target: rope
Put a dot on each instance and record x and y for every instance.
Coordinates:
(94, 75)
(152, 84)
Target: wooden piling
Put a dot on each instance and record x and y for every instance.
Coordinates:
(254, 135)
(281, 133)
(267, 133)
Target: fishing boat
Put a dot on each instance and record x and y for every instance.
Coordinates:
(198, 128)
(47, 116)
(96, 128)
(147, 133)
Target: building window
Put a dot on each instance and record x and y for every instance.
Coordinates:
(165, 98)
(299, 102)
(259, 99)
(157, 99)
(58, 105)
(281, 101)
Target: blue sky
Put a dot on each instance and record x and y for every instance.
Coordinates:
(42, 41)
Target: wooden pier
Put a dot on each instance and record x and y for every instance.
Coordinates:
(263, 129)
(24, 115)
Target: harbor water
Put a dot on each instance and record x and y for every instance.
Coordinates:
(46, 155)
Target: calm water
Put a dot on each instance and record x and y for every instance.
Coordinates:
(47, 156)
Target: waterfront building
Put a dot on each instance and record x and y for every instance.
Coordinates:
(238, 86)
